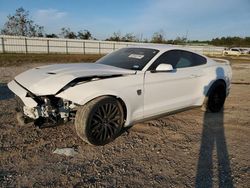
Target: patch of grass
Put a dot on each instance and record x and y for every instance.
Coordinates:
(15, 59)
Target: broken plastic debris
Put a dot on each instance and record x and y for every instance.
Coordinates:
(65, 151)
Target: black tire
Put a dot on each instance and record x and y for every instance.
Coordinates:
(216, 97)
(99, 121)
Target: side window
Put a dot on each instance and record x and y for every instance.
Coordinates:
(179, 59)
(199, 60)
(189, 59)
(169, 57)
(186, 60)
(236, 50)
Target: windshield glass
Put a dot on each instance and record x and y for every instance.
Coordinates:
(129, 58)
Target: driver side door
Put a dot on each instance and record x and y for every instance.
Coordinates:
(173, 90)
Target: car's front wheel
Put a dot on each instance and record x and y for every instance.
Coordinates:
(99, 121)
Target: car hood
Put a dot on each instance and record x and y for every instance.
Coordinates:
(48, 80)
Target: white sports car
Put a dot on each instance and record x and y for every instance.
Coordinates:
(129, 85)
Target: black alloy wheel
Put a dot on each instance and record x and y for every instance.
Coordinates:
(100, 121)
(105, 122)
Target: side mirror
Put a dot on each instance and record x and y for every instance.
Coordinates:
(164, 68)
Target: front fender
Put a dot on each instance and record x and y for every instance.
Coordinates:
(124, 88)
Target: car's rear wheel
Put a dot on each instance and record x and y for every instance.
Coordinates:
(215, 99)
(99, 121)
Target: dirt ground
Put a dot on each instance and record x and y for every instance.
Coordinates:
(188, 149)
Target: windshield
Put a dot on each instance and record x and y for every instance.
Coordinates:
(129, 58)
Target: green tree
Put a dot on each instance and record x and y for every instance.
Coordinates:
(52, 35)
(115, 37)
(231, 41)
(67, 33)
(158, 37)
(180, 40)
(20, 24)
(86, 35)
(129, 37)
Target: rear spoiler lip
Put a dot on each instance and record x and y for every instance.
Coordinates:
(226, 62)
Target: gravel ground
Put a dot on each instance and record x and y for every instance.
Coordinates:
(188, 149)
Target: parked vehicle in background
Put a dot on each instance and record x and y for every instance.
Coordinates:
(129, 85)
(232, 51)
(245, 50)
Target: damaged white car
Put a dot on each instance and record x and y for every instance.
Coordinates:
(129, 85)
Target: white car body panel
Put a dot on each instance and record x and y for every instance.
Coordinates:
(124, 87)
(47, 80)
(166, 92)
(21, 92)
(144, 94)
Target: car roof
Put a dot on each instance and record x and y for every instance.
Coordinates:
(164, 47)
(160, 47)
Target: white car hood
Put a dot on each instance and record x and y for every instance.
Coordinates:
(48, 80)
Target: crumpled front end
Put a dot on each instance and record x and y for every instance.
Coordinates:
(48, 108)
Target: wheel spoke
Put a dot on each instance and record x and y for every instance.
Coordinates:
(114, 124)
(109, 131)
(105, 132)
(97, 116)
(99, 136)
(115, 118)
(114, 112)
(98, 112)
(103, 111)
(94, 122)
(109, 108)
(95, 129)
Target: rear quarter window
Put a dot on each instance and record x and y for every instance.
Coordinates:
(199, 60)
(190, 59)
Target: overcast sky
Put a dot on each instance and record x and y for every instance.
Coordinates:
(198, 19)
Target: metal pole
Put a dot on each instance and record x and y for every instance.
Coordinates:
(99, 48)
(113, 46)
(26, 45)
(83, 46)
(48, 46)
(67, 51)
(3, 47)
